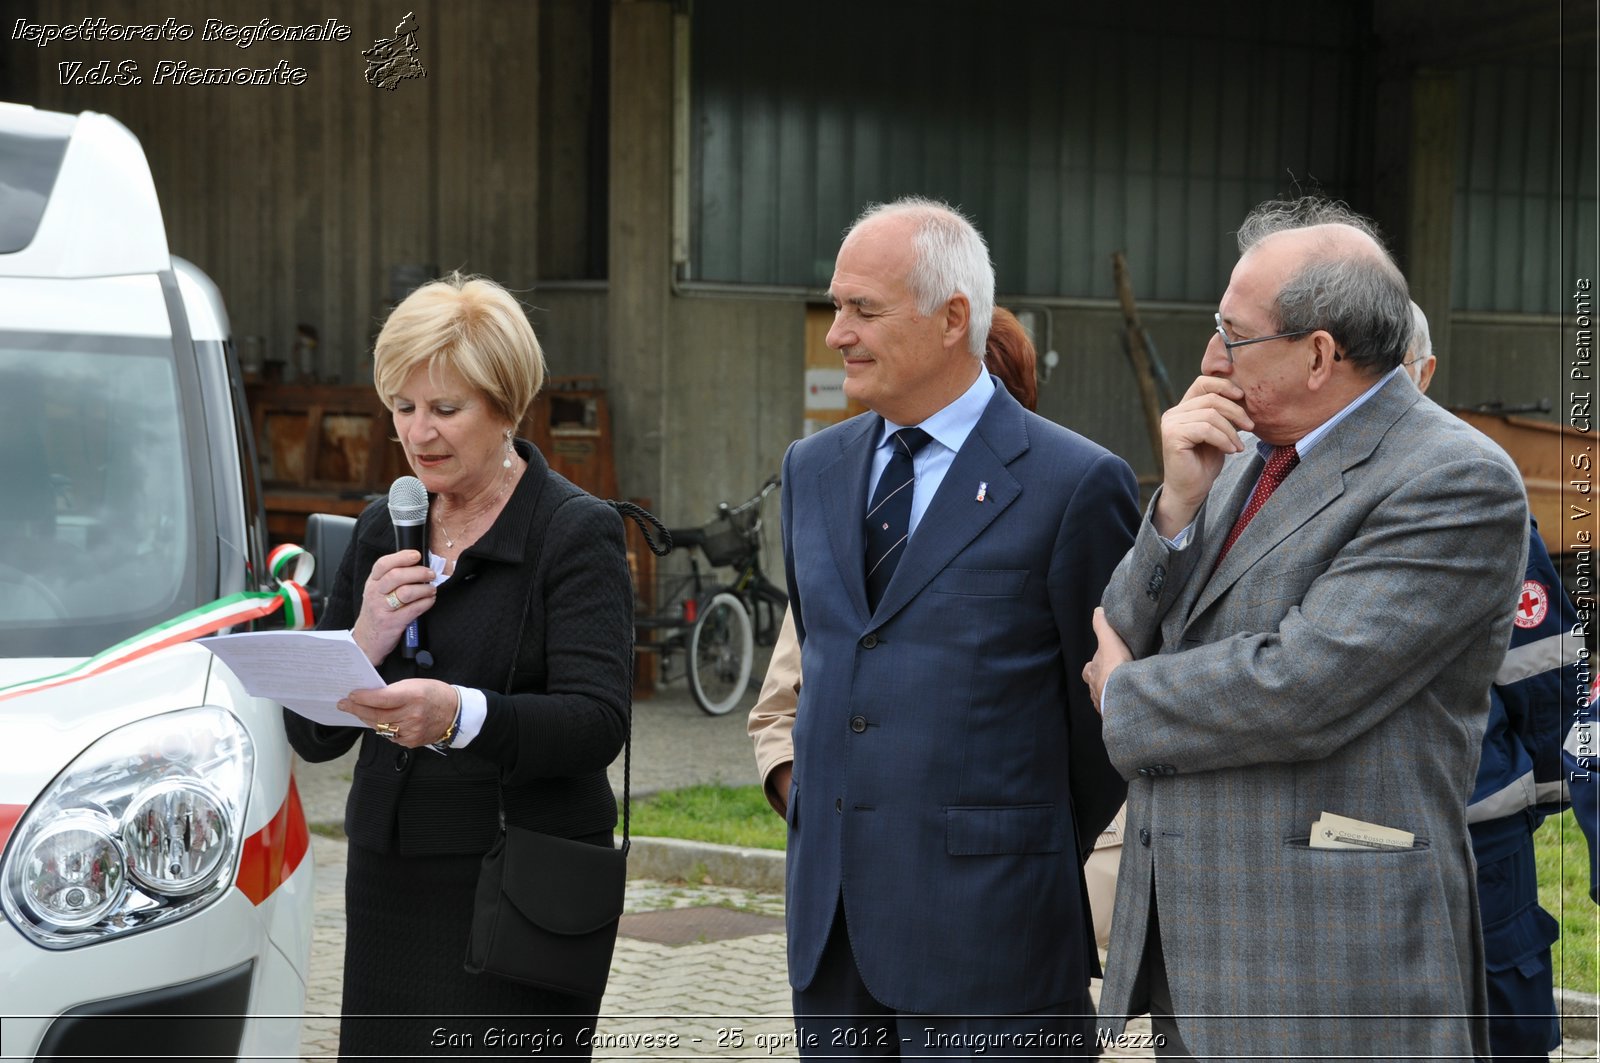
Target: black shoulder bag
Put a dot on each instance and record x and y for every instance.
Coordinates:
(547, 908)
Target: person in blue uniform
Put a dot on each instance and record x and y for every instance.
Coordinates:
(1521, 779)
(1579, 760)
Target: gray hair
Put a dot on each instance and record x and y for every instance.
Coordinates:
(1281, 215)
(1360, 299)
(1421, 338)
(951, 257)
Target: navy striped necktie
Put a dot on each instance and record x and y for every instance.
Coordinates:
(889, 515)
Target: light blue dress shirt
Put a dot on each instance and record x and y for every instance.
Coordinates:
(949, 429)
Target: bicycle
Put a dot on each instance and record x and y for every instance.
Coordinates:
(716, 626)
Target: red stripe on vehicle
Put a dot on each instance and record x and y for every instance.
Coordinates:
(9, 815)
(272, 853)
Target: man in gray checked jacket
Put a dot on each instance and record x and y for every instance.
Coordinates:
(1270, 654)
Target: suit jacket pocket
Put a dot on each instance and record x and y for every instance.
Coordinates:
(993, 829)
(1419, 844)
(1386, 914)
(981, 582)
(1291, 582)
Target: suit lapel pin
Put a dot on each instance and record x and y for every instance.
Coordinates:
(983, 489)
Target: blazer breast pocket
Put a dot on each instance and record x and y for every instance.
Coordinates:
(981, 582)
(1284, 582)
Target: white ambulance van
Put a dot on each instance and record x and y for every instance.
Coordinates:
(155, 868)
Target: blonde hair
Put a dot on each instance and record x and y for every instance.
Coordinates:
(471, 325)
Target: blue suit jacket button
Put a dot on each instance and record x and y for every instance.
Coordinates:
(858, 724)
(869, 640)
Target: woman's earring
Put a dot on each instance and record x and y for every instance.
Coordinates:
(510, 449)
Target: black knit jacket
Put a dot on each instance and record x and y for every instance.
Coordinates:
(539, 615)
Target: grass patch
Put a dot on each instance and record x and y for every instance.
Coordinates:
(1562, 857)
(327, 830)
(725, 815)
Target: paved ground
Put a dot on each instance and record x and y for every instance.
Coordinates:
(676, 985)
(698, 970)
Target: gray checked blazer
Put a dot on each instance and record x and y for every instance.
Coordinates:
(1340, 661)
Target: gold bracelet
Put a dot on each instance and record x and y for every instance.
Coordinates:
(450, 732)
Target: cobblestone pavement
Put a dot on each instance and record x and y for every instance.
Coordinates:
(703, 1000)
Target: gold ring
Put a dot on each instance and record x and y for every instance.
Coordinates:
(393, 599)
(388, 730)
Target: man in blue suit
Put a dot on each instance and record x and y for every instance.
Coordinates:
(945, 553)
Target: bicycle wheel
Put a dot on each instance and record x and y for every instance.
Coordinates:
(721, 651)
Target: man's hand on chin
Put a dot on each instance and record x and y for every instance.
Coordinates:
(1196, 436)
(1111, 652)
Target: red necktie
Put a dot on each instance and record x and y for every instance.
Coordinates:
(1279, 465)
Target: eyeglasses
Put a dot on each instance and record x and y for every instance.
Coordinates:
(1228, 345)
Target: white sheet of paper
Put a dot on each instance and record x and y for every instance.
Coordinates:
(306, 671)
(1333, 831)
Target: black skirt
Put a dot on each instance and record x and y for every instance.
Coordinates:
(405, 990)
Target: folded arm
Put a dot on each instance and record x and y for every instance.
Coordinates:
(1412, 588)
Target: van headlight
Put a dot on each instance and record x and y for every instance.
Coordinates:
(142, 828)
(73, 872)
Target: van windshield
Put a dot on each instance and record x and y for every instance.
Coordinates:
(96, 532)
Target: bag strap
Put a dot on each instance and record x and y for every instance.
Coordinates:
(647, 522)
(660, 545)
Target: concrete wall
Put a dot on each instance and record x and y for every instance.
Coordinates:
(735, 402)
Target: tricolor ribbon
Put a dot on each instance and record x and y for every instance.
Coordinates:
(240, 608)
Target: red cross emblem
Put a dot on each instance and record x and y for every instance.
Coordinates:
(1533, 604)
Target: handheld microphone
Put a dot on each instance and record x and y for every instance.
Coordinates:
(408, 511)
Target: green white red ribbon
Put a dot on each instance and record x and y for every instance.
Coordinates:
(292, 559)
(240, 608)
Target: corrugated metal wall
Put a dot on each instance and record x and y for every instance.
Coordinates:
(1067, 132)
(300, 200)
(1525, 185)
